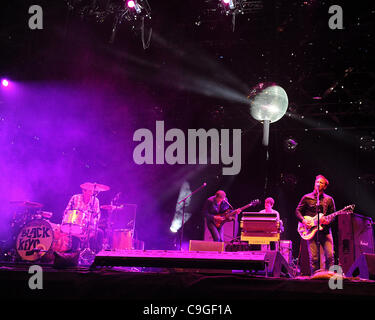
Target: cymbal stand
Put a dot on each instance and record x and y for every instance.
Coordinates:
(87, 255)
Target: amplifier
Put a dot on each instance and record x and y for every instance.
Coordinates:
(286, 250)
(198, 245)
(355, 237)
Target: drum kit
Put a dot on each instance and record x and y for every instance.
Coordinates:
(33, 235)
(36, 238)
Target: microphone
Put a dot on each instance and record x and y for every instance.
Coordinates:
(31, 252)
(225, 200)
(115, 199)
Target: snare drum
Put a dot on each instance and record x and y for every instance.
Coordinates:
(122, 239)
(34, 240)
(74, 222)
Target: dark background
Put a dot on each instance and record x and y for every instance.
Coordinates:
(75, 101)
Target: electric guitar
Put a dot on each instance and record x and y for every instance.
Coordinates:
(308, 233)
(229, 213)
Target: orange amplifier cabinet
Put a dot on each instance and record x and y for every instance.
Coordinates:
(259, 227)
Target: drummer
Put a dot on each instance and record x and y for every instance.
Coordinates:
(87, 202)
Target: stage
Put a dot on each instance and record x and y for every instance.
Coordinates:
(177, 285)
(222, 128)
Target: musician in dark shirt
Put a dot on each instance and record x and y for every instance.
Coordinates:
(308, 207)
(213, 206)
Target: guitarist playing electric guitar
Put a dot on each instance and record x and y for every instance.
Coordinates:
(217, 211)
(308, 207)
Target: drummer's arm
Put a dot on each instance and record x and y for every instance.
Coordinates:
(97, 211)
(70, 205)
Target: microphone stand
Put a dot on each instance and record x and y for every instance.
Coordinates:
(317, 233)
(183, 211)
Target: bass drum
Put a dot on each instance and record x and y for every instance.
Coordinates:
(34, 240)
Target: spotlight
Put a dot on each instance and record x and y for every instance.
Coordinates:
(4, 82)
(141, 8)
(132, 4)
(290, 144)
(229, 3)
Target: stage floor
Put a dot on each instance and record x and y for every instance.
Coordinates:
(170, 285)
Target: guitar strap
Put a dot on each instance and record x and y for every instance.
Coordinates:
(323, 205)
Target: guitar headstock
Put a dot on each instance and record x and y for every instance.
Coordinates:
(349, 209)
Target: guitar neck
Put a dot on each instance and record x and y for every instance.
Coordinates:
(334, 214)
(245, 207)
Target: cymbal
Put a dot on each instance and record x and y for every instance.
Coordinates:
(110, 207)
(26, 204)
(94, 187)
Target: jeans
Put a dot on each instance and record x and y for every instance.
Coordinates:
(326, 247)
(217, 234)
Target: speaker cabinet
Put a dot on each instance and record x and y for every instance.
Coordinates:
(355, 237)
(363, 267)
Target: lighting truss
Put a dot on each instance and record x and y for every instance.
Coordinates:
(240, 6)
(116, 10)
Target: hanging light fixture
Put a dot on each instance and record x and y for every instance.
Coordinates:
(268, 104)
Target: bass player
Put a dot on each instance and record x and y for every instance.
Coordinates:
(307, 207)
(213, 207)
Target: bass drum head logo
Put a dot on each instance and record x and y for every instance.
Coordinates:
(34, 240)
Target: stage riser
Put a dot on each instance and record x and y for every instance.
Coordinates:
(270, 263)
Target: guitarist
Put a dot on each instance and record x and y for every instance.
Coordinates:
(308, 207)
(214, 206)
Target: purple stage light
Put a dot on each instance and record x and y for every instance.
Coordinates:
(131, 4)
(226, 1)
(4, 82)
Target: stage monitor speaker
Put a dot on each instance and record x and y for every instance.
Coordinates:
(197, 245)
(277, 266)
(355, 237)
(363, 267)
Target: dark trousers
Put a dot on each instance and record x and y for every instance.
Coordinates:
(326, 250)
(217, 234)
